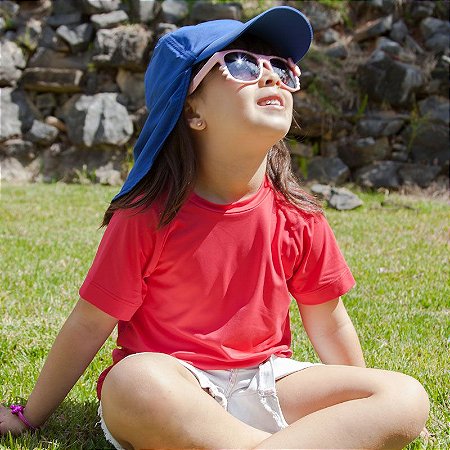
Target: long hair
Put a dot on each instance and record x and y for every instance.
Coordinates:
(172, 177)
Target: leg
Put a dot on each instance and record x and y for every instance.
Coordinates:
(152, 401)
(349, 407)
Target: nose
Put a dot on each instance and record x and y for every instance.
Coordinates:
(269, 77)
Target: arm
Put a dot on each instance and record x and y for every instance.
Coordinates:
(80, 338)
(332, 333)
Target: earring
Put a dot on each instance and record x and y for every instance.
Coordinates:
(201, 124)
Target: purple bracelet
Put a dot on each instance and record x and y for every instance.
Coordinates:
(17, 410)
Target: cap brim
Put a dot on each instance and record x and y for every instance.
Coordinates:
(284, 27)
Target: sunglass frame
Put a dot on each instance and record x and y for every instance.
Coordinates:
(219, 57)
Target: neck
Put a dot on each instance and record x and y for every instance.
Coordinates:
(227, 183)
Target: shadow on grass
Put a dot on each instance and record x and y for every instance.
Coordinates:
(74, 426)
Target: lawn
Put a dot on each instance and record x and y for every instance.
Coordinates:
(397, 247)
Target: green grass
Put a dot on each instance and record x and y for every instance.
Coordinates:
(399, 254)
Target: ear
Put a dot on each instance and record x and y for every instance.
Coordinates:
(193, 117)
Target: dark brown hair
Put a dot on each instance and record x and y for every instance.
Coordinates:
(173, 174)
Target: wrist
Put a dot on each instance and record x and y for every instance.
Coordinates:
(18, 410)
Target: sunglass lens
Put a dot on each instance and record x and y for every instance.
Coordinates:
(242, 66)
(284, 72)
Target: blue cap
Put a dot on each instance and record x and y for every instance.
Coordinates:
(168, 74)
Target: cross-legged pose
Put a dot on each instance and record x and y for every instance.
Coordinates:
(205, 245)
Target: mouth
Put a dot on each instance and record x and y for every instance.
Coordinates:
(271, 101)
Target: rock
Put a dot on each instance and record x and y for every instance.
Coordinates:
(329, 36)
(99, 6)
(9, 9)
(164, 28)
(23, 151)
(52, 80)
(438, 43)
(310, 112)
(431, 26)
(428, 142)
(436, 109)
(80, 165)
(320, 16)
(422, 9)
(109, 20)
(400, 152)
(379, 174)
(418, 174)
(373, 28)
(322, 190)
(132, 86)
(97, 120)
(298, 149)
(45, 57)
(174, 11)
(64, 7)
(143, 11)
(55, 122)
(77, 36)
(343, 200)
(436, 33)
(384, 6)
(395, 50)
(64, 19)
(124, 46)
(337, 50)
(139, 118)
(438, 84)
(204, 10)
(328, 170)
(14, 171)
(390, 81)
(35, 9)
(17, 113)
(29, 34)
(329, 149)
(41, 133)
(102, 81)
(51, 40)
(382, 123)
(399, 31)
(338, 198)
(12, 63)
(107, 175)
(364, 151)
(45, 103)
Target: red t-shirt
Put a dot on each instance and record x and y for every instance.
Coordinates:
(212, 288)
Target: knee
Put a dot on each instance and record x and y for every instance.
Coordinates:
(136, 383)
(410, 404)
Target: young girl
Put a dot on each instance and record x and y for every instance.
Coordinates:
(205, 243)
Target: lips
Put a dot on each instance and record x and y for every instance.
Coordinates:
(271, 100)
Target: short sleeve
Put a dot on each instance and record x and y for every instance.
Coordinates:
(321, 273)
(115, 282)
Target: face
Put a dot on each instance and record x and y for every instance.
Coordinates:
(261, 111)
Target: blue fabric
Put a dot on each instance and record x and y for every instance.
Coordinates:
(169, 72)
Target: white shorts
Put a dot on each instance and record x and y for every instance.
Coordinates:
(248, 394)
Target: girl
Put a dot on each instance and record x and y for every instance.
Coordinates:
(204, 244)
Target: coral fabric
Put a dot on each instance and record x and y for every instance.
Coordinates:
(213, 287)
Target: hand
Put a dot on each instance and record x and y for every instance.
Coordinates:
(10, 422)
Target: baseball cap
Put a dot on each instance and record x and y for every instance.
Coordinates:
(169, 72)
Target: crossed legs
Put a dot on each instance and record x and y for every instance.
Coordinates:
(152, 401)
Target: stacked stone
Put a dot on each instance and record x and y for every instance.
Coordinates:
(373, 110)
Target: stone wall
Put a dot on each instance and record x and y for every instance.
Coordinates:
(373, 108)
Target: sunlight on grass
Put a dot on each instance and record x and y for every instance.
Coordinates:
(399, 255)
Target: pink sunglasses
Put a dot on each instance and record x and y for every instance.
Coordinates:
(247, 68)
